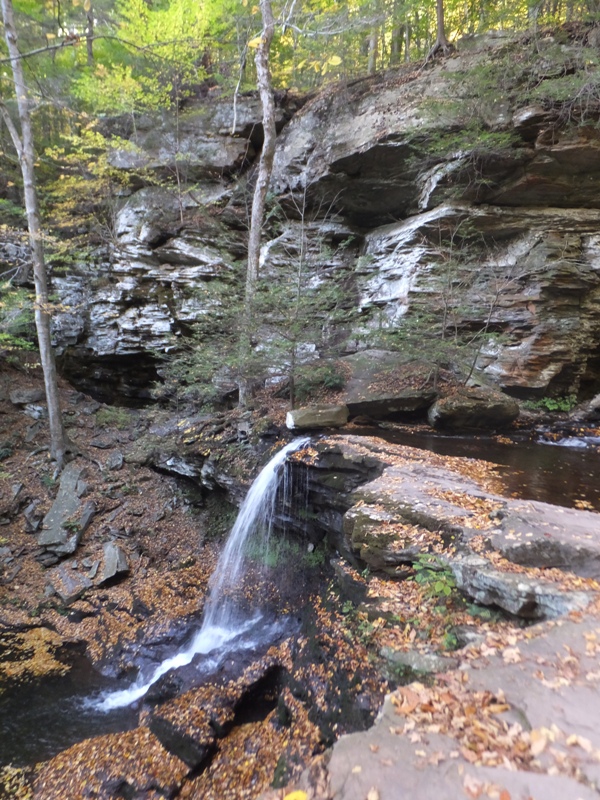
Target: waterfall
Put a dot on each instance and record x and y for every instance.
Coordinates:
(227, 618)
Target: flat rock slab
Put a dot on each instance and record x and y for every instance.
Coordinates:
(519, 717)
(538, 534)
(66, 505)
(423, 502)
(189, 725)
(473, 409)
(24, 397)
(395, 768)
(548, 685)
(518, 594)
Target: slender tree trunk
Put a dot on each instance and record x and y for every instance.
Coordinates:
(25, 150)
(89, 35)
(396, 37)
(373, 44)
(396, 45)
(265, 169)
(441, 41)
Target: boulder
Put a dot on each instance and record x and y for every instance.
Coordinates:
(189, 725)
(115, 460)
(56, 536)
(68, 583)
(115, 562)
(317, 417)
(24, 397)
(382, 384)
(418, 662)
(378, 537)
(470, 408)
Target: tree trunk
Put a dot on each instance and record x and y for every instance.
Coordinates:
(441, 42)
(373, 43)
(89, 35)
(265, 169)
(396, 45)
(25, 150)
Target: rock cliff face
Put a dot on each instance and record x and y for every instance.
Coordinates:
(483, 202)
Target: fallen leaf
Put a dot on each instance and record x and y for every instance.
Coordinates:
(407, 701)
(373, 794)
(469, 755)
(584, 743)
(296, 796)
(539, 741)
(473, 788)
(511, 655)
(355, 770)
(436, 758)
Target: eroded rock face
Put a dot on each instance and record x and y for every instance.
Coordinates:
(501, 239)
(533, 207)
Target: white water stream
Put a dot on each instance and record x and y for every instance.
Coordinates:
(225, 626)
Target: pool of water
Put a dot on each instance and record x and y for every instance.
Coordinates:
(563, 474)
(39, 720)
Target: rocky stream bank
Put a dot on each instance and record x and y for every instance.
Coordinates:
(111, 561)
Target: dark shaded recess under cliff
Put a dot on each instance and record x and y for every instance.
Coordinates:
(125, 380)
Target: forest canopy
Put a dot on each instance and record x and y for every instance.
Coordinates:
(112, 56)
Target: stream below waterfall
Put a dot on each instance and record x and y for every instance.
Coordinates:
(36, 722)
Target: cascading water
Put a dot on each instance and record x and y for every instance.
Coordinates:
(229, 622)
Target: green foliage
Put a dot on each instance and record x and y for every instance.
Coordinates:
(311, 379)
(82, 187)
(16, 318)
(483, 612)
(435, 576)
(11, 214)
(113, 417)
(564, 403)
(314, 558)
(281, 551)
(450, 640)
(358, 622)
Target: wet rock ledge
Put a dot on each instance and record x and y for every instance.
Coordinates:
(513, 712)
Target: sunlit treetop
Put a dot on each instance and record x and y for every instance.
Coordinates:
(126, 55)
